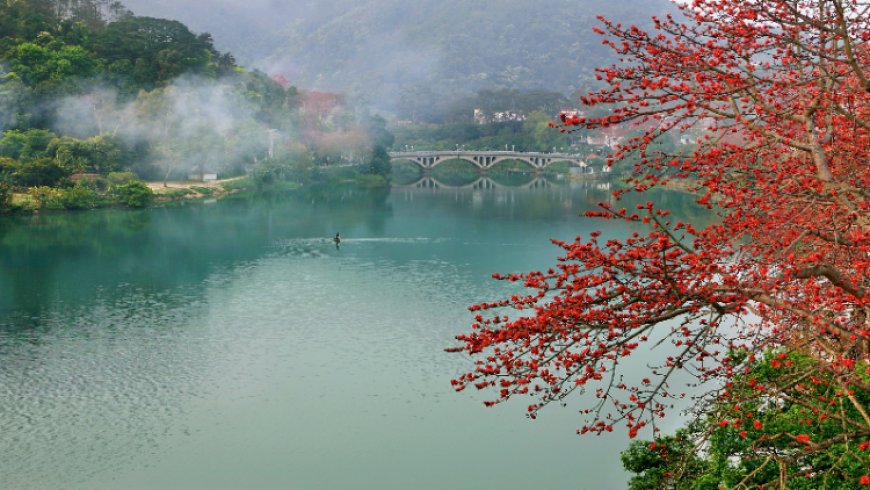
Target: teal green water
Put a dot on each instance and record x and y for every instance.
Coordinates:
(230, 345)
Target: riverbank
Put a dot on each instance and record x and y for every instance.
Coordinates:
(192, 190)
(30, 202)
(157, 194)
(100, 193)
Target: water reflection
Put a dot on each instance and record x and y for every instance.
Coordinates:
(231, 345)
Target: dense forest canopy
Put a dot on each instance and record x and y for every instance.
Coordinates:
(55, 48)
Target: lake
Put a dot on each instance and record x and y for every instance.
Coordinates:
(231, 345)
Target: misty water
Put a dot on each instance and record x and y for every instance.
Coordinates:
(231, 345)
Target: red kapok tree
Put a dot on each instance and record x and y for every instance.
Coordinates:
(778, 94)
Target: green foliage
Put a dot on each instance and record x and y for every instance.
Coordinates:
(40, 172)
(271, 171)
(5, 197)
(206, 191)
(37, 64)
(134, 194)
(26, 18)
(78, 197)
(149, 52)
(455, 172)
(100, 154)
(799, 435)
(52, 44)
(26, 145)
(15, 99)
(238, 184)
(8, 166)
(118, 178)
(296, 166)
(45, 197)
(95, 182)
(379, 164)
(270, 99)
(372, 181)
(668, 463)
(405, 172)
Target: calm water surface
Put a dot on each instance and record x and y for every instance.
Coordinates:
(230, 345)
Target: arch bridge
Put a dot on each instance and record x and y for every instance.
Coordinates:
(483, 160)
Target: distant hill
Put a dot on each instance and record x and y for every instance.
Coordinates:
(413, 58)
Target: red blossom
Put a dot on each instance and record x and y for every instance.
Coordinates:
(777, 108)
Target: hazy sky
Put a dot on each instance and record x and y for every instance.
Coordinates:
(383, 50)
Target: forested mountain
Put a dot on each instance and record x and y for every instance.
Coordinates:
(50, 49)
(414, 58)
(89, 89)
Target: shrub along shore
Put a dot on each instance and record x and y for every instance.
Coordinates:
(124, 189)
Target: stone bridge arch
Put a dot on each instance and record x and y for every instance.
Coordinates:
(483, 160)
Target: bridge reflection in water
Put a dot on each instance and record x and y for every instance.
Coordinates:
(430, 182)
(535, 199)
(486, 183)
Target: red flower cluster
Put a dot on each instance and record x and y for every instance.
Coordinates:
(776, 99)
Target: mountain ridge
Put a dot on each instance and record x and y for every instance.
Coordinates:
(403, 57)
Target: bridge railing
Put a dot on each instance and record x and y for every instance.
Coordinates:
(432, 153)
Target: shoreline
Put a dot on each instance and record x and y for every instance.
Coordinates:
(180, 192)
(177, 191)
(174, 192)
